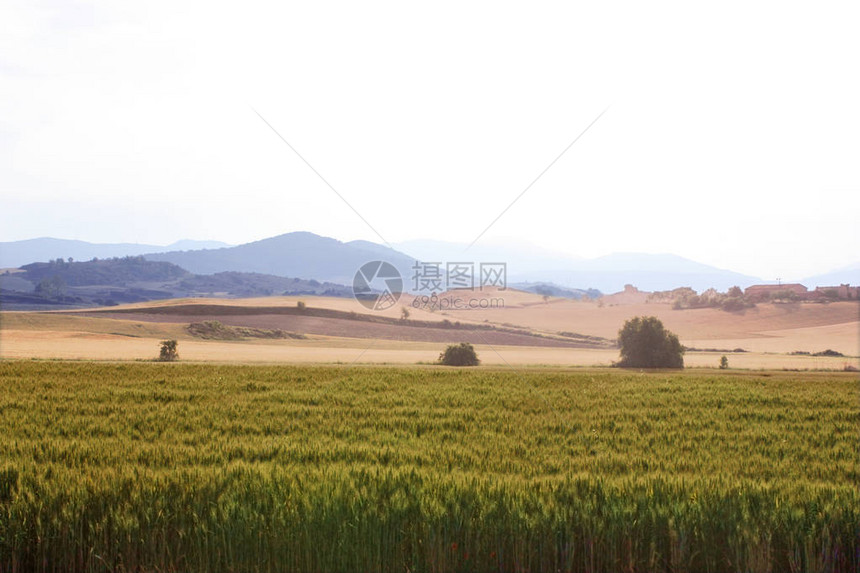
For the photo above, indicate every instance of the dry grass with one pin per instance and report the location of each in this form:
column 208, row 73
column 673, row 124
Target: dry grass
column 776, row 327
column 766, row 328
column 333, row 303
column 75, row 345
column 769, row 331
column 54, row 321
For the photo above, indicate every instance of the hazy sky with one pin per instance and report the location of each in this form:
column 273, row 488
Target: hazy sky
column 732, row 135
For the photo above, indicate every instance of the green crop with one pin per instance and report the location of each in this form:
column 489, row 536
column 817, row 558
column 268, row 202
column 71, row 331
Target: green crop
column 182, row 467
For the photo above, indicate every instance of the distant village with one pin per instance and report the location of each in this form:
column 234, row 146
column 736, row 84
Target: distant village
column 736, row 299
column 759, row 293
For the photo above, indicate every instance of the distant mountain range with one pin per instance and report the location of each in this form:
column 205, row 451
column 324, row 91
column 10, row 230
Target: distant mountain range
column 299, row 254
column 524, row 261
column 649, row 272
column 14, row 254
column 313, row 257
column 529, row 263
column 845, row 275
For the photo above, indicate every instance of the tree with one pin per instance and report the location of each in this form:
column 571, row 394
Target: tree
column 784, row 294
column 168, row 351
column 462, row 354
column 736, row 292
column 53, row 287
column 645, row 343
column 733, row 304
column 724, row 362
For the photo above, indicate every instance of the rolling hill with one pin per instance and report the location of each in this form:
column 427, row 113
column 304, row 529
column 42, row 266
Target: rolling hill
column 298, row 254
column 112, row 281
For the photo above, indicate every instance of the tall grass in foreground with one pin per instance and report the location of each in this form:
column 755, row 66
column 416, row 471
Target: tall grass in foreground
column 151, row 467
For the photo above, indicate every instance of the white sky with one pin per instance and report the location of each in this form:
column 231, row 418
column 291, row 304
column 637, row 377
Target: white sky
column 733, row 135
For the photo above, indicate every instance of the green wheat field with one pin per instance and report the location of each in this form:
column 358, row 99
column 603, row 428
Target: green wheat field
column 193, row 467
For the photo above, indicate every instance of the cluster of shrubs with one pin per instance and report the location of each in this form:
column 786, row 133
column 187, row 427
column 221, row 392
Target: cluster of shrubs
column 215, row 330
column 782, row 295
column 682, row 298
column 462, row 354
column 827, row 352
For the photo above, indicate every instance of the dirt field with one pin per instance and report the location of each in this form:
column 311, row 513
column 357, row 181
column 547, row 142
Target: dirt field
column 95, row 346
column 769, row 332
column 768, row 327
column 339, row 327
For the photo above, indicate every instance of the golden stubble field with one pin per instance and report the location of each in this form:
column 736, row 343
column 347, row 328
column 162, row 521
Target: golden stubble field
column 778, row 328
column 769, row 333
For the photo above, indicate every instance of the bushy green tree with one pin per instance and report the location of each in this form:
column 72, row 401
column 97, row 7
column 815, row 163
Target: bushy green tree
column 645, row 343
column 462, row 354
column 168, row 351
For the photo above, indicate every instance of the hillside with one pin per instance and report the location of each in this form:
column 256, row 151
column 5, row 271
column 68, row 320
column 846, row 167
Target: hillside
column 551, row 289
column 113, row 272
column 106, row 282
column 258, row 284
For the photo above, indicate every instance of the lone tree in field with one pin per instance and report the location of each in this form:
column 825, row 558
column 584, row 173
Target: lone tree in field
column 646, row 344
column 462, row 354
column 168, row 351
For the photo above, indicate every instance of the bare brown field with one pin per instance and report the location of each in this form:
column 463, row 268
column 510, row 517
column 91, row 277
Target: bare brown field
column 79, row 322
column 332, row 303
column 768, row 332
column 67, row 345
column 342, row 327
column 767, row 327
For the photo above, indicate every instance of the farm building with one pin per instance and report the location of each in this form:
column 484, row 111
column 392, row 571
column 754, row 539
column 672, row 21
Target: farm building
column 761, row 292
column 842, row 291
